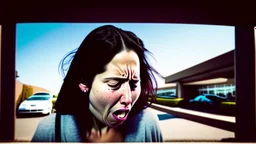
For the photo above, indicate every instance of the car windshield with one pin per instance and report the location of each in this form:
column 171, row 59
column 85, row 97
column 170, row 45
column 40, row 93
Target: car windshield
column 38, row 98
column 198, row 98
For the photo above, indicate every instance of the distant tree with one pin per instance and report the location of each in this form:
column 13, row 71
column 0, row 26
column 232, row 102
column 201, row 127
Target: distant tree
column 17, row 74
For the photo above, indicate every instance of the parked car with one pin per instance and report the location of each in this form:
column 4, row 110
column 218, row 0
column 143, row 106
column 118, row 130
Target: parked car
column 208, row 98
column 38, row 103
column 206, row 103
column 43, row 94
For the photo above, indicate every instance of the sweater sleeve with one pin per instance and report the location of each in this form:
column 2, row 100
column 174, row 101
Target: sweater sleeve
column 45, row 131
column 152, row 128
column 143, row 127
column 69, row 131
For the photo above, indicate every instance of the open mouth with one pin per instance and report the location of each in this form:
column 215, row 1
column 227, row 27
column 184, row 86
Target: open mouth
column 120, row 114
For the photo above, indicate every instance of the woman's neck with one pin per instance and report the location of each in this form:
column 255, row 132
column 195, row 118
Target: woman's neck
column 103, row 133
column 97, row 125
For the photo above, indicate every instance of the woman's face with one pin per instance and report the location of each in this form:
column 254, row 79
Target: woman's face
column 114, row 92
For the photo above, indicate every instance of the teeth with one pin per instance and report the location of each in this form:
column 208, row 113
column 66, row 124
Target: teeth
column 121, row 115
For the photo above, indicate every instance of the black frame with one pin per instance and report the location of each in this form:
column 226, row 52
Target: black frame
column 243, row 20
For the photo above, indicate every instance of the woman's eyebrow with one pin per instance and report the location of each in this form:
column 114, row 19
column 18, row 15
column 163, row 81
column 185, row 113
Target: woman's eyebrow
column 120, row 79
column 116, row 78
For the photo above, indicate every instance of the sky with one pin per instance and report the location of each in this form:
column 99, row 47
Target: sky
column 175, row 47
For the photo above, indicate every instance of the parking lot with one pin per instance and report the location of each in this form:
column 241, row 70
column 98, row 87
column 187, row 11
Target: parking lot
column 25, row 127
column 172, row 127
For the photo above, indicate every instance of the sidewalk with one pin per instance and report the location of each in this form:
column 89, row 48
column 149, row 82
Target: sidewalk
column 175, row 129
column 231, row 119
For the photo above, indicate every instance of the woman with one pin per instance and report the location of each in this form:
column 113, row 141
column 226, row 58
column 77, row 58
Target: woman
column 105, row 92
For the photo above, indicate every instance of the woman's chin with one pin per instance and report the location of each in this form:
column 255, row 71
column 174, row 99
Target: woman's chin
column 113, row 121
column 113, row 124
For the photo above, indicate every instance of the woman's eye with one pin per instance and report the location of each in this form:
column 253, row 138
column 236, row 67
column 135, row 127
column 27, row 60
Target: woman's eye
column 133, row 85
column 115, row 85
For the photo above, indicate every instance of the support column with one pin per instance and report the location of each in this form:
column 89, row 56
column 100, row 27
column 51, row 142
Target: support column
column 7, row 82
column 245, row 84
column 186, row 91
column 180, row 90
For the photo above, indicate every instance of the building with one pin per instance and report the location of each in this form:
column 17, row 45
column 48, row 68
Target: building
column 214, row 76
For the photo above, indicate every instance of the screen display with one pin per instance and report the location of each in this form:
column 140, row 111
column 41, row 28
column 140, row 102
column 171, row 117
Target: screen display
column 175, row 48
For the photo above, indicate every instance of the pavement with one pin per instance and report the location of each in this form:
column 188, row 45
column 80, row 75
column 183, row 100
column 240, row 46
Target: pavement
column 175, row 129
column 25, row 128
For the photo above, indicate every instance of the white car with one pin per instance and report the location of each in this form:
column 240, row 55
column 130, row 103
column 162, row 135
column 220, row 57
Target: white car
column 38, row 103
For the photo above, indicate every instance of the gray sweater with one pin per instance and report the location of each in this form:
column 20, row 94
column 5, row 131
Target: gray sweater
column 142, row 127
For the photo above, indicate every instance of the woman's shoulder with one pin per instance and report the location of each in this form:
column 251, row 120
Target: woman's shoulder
column 50, row 119
column 147, row 112
column 145, row 119
column 146, row 115
column 46, row 128
column 143, row 127
column 47, row 122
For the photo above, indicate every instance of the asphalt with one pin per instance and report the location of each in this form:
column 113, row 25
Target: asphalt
column 175, row 129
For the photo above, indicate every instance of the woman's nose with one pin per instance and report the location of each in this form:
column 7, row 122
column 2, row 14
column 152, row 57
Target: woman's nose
column 126, row 98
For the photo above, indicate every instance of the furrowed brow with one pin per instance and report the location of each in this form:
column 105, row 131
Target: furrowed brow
column 116, row 78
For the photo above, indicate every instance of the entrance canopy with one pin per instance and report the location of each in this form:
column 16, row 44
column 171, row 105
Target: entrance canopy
column 219, row 67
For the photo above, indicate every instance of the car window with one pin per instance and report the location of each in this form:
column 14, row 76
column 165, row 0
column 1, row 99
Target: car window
column 38, row 98
column 42, row 94
column 214, row 98
column 209, row 95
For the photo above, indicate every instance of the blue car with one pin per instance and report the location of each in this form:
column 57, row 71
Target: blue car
column 208, row 98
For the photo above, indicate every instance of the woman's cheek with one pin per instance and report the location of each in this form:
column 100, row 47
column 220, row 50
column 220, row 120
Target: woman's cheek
column 107, row 96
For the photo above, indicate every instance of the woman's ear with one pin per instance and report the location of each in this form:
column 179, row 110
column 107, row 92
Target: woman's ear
column 83, row 87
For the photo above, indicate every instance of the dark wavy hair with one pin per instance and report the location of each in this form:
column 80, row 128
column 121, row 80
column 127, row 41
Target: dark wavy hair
column 90, row 59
